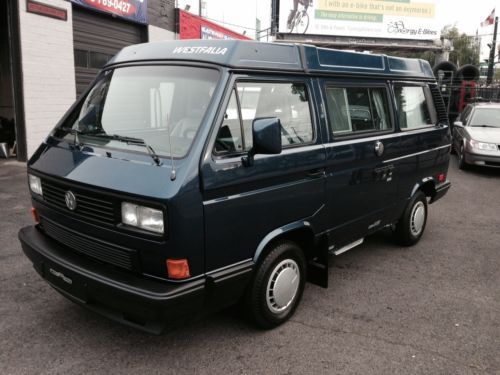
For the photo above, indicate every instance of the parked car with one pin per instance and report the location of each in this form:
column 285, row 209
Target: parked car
column 476, row 136
column 195, row 174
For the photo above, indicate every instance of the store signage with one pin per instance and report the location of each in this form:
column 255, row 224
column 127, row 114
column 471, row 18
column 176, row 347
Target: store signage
column 46, row 10
column 190, row 26
column 132, row 10
column 395, row 19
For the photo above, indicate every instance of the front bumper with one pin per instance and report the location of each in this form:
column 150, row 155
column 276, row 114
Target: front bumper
column 131, row 299
column 485, row 160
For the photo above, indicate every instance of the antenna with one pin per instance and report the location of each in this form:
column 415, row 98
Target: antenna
column 172, row 172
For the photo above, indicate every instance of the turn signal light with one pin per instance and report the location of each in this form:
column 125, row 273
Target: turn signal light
column 441, row 177
column 178, row 268
column 34, row 215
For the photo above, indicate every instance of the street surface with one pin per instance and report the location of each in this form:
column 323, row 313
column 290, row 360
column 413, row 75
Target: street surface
column 430, row 309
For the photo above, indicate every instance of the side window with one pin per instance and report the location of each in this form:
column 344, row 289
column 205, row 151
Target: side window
column 229, row 139
column 287, row 101
column 357, row 109
column 415, row 107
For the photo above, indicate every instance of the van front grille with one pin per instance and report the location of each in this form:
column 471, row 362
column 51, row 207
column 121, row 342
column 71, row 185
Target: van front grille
column 100, row 250
column 90, row 206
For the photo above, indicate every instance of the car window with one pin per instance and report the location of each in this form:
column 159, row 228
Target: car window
column 415, row 107
column 357, row 109
column 287, row 101
column 229, row 138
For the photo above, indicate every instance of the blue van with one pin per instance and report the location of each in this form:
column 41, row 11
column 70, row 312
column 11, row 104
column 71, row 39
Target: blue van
column 195, row 174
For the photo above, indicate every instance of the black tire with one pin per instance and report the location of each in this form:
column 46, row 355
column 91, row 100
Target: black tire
column 462, row 164
column 410, row 227
column 263, row 312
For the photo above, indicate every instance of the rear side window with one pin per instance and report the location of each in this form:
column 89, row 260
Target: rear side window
column 250, row 100
column 357, row 109
column 415, row 107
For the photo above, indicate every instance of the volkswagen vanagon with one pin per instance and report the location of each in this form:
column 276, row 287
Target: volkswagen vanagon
column 195, row 174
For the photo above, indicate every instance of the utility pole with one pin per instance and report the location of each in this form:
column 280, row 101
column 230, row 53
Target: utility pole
column 491, row 62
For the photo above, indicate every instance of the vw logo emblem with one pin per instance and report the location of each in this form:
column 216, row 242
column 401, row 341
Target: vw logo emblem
column 70, row 200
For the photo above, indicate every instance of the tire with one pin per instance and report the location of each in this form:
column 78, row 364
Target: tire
column 281, row 267
column 411, row 226
column 462, row 164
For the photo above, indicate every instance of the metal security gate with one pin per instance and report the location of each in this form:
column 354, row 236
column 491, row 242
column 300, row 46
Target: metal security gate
column 96, row 39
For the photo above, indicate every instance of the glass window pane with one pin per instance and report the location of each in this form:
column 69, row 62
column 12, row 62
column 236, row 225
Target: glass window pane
column 97, row 59
column 229, row 139
column 287, row 101
column 356, row 109
column 413, row 108
column 81, row 58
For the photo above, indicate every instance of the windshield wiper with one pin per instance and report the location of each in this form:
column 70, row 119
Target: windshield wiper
column 484, row 126
column 135, row 142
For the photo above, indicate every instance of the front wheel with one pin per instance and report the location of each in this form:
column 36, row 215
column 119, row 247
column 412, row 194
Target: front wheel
column 462, row 164
column 411, row 226
column 277, row 286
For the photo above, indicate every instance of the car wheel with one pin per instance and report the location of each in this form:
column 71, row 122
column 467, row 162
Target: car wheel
column 462, row 164
column 277, row 285
column 411, row 226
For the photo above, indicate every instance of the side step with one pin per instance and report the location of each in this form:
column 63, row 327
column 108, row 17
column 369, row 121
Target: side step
column 346, row 247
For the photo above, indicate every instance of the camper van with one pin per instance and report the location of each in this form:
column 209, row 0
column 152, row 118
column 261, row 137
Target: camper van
column 196, row 174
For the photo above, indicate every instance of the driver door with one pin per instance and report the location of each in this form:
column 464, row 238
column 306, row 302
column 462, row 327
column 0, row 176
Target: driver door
column 242, row 204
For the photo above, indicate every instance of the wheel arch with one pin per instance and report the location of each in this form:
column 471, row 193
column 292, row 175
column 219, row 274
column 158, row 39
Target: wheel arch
column 427, row 185
column 300, row 232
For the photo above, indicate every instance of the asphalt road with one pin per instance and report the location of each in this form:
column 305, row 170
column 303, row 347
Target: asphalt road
column 430, row 309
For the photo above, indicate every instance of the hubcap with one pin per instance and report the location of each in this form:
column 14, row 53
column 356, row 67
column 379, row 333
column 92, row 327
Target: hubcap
column 283, row 285
column 417, row 218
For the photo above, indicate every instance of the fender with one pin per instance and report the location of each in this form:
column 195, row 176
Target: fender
column 428, row 186
column 278, row 232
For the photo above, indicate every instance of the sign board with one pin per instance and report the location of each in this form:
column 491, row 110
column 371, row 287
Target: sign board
column 46, row 10
column 132, row 10
column 396, row 19
column 190, row 26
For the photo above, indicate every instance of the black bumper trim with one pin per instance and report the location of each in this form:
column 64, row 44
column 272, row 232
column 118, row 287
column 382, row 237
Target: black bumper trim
column 122, row 296
column 441, row 190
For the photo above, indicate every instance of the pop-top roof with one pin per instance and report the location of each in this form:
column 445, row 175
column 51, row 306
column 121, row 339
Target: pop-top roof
column 274, row 56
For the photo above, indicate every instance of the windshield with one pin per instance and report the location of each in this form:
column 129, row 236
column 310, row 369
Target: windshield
column 146, row 103
column 486, row 116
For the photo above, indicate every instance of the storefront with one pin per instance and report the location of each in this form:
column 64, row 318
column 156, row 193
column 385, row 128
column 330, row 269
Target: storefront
column 53, row 49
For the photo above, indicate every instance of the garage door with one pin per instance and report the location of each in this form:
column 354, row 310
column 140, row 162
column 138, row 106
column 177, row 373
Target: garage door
column 96, row 39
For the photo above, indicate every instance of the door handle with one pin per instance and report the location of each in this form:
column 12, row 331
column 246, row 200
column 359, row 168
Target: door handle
column 379, row 148
column 316, row 173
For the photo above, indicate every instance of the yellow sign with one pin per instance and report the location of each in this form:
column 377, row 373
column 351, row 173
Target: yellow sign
column 388, row 8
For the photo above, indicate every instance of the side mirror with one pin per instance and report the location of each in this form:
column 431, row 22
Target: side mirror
column 266, row 133
column 458, row 124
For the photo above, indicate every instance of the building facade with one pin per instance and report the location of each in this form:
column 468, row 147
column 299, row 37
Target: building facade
column 52, row 49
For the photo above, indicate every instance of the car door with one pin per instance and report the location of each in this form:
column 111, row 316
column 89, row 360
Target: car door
column 243, row 204
column 360, row 186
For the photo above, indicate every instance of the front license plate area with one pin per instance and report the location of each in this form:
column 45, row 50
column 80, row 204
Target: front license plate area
column 66, row 282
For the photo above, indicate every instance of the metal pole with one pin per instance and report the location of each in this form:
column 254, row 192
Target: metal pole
column 491, row 62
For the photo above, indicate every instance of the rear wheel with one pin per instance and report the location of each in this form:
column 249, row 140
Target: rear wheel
column 411, row 226
column 277, row 285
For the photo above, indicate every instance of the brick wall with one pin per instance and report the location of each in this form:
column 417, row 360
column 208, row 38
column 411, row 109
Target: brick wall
column 48, row 70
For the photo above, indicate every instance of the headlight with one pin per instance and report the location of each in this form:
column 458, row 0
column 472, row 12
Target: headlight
column 142, row 217
column 35, row 184
column 483, row 146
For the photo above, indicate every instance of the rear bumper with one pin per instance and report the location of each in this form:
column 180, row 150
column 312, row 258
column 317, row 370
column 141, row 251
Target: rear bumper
column 441, row 190
column 137, row 301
